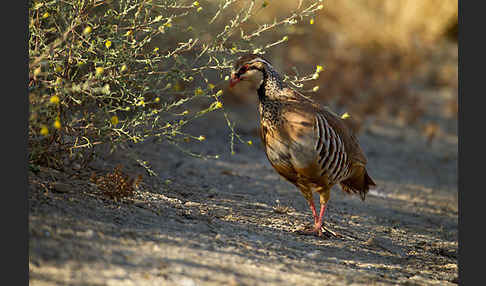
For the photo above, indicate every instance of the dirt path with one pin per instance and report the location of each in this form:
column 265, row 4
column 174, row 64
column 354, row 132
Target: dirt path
column 232, row 221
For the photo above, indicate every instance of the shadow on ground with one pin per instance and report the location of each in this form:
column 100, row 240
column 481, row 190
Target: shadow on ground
column 234, row 221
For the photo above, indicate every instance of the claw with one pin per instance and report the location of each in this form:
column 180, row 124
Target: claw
column 319, row 231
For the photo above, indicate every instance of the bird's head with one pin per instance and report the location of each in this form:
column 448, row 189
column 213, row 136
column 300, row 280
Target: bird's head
column 251, row 69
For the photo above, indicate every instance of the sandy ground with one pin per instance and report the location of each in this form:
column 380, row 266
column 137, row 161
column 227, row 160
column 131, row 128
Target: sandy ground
column 234, row 221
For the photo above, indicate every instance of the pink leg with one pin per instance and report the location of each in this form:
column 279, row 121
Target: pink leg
column 313, row 209
column 318, row 227
column 316, row 230
column 318, row 220
column 321, row 215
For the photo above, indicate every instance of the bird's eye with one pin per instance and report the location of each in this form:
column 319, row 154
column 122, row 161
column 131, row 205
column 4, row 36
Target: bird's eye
column 243, row 69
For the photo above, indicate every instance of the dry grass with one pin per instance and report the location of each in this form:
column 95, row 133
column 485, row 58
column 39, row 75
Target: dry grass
column 399, row 24
column 378, row 56
column 116, row 185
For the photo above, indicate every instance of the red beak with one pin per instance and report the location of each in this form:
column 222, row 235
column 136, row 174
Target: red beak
column 234, row 80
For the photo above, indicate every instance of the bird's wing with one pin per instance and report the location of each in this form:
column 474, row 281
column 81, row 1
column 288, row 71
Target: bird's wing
column 318, row 139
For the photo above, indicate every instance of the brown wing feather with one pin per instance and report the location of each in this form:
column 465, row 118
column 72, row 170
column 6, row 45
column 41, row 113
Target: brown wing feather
column 309, row 107
column 303, row 116
column 299, row 129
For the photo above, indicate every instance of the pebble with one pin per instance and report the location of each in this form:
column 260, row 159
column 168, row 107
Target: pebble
column 386, row 244
column 314, row 254
column 187, row 282
column 61, row 187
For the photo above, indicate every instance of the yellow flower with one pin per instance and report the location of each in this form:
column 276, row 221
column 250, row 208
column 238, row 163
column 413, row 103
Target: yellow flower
column 141, row 103
column 311, row 21
column 249, row 142
column 195, row 3
column 37, row 71
column 211, row 86
column 201, row 138
column 185, row 112
column 99, row 71
column 316, row 88
column 315, row 76
column 345, row 115
column 319, row 68
column 108, row 44
column 54, row 99
column 87, row 30
column 157, row 99
column 156, row 49
column 57, row 124
column 114, row 120
column 219, row 93
column 218, row 105
column 128, row 33
column 123, row 68
column 106, row 89
column 285, row 38
column 44, row 131
column 320, row 7
column 46, row 15
column 199, row 9
column 199, row 91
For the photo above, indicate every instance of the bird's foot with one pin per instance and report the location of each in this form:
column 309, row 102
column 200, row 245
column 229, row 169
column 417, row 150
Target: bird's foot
column 310, row 231
column 318, row 230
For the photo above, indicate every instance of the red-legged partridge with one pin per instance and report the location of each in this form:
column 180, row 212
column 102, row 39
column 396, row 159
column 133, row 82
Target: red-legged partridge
column 305, row 142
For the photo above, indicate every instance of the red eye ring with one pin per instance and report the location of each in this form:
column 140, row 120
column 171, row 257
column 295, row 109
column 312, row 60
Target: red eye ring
column 243, row 69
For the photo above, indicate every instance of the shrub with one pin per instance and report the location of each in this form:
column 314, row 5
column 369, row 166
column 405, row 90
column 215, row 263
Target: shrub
column 111, row 72
column 116, row 185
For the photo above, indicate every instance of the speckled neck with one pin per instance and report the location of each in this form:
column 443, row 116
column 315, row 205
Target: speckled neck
column 271, row 85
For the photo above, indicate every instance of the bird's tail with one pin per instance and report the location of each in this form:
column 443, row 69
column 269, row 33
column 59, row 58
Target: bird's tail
column 358, row 183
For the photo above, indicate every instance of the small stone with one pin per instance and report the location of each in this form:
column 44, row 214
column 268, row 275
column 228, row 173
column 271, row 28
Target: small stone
column 89, row 233
column 386, row 244
column 61, row 187
column 314, row 254
column 191, row 204
column 187, row 282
